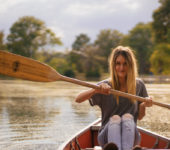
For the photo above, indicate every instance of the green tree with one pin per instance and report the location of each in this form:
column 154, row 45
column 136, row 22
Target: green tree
column 91, row 62
column 75, row 59
column 106, row 40
column 140, row 40
column 58, row 61
column 87, row 61
column 161, row 22
column 160, row 59
column 28, row 35
column 62, row 66
column 81, row 41
column 2, row 44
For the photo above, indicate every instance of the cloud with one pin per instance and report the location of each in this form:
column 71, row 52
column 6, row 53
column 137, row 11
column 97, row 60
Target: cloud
column 84, row 9
column 7, row 4
column 58, row 32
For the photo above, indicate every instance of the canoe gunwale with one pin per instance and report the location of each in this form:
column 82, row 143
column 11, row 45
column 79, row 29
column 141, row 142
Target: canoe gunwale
column 94, row 127
column 75, row 136
column 159, row 137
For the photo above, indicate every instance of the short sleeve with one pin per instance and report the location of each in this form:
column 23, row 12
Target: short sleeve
column 96, row 100
column 143, row 92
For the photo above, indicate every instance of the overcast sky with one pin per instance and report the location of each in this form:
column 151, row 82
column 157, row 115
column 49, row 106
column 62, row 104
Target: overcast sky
column 69, row 18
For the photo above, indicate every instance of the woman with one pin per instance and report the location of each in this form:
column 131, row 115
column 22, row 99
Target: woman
column 119, row 114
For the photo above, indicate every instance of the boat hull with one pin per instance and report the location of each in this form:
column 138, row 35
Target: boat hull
column 87, row 139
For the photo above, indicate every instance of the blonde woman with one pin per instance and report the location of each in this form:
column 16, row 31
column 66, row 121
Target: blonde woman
column 119, row 114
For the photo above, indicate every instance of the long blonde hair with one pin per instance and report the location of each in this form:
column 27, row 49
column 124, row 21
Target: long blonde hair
column 128, row 54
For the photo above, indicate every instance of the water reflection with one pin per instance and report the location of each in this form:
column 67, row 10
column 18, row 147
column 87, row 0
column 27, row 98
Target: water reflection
column 26, row 119
column 42, row 116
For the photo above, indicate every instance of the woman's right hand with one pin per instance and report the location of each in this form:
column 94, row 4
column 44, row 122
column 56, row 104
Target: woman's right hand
column 104, row 89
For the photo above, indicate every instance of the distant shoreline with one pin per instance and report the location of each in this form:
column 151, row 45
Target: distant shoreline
column 151, row 79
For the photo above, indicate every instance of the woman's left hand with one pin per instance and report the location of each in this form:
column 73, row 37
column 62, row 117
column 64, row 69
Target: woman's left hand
column 142, row 107
column 148, row 102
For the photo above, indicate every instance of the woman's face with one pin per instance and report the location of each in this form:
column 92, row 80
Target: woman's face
column 121, row 67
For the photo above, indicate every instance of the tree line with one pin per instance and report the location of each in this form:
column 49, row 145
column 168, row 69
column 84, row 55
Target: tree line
column 150, row 41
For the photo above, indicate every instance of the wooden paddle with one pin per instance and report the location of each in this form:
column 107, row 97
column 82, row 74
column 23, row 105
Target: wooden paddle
column 26, row 68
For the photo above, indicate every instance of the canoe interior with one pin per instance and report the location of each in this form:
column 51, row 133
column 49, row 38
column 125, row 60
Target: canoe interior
column 87, row 138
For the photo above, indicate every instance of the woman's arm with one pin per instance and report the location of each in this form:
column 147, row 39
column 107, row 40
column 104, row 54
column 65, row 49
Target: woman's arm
column 85, row 95
column 104, row 89
column 142, row 107
column 141, row 111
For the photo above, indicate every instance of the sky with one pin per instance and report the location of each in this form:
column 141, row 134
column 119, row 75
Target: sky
column 69, row 18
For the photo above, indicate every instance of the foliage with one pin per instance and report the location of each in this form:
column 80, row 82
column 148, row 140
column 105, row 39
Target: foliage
column 140, row 39
column 58, row 64
column 61, row 65
column 92, row 67
column 2, row 44
column 95, row 73
column 108, row 39
column 76, row 59
column 160, row 59
column 161, row 23
column 58, row 61
column 77, row 54
column 69, row 73
column 86, row 61
column 28, row 35
column 81, row 41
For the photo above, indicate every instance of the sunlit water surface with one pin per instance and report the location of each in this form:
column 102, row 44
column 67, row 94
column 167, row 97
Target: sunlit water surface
column 43, row 115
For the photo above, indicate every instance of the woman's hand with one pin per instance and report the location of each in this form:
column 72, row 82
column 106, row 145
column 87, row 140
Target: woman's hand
column 142, row 107
column 104, row 89
column 148, row 102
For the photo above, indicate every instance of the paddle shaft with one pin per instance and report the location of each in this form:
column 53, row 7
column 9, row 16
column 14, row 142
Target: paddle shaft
column 26, row 68
column 112, row 91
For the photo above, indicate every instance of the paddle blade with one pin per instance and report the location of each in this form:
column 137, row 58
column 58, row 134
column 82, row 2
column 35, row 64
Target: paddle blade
column 26, row 68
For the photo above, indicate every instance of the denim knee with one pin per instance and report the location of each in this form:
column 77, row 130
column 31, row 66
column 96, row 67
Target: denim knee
column 115, row 119
column 128, row 130
column 127, row 116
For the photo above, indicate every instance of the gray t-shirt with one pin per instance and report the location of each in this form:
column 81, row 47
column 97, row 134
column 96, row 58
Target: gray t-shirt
column 109, row 106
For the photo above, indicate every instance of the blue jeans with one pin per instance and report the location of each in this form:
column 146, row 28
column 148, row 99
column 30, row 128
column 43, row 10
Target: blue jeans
column 120, row 130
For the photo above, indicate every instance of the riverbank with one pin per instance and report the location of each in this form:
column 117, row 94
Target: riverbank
column 152, row 79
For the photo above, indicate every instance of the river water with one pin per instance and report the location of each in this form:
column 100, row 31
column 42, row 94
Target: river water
column 43, row 115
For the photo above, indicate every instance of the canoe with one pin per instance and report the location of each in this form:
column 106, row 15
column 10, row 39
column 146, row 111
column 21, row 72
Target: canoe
column 86, row 139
